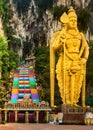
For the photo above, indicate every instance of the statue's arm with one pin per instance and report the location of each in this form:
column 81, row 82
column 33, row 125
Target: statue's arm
column 57, row 44
column 86, row 48
column 86, row 52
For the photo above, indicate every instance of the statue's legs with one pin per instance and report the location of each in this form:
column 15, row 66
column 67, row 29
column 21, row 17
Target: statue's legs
column 67, row 88
column 72, row 87
column 69, row 82
column 77, row 88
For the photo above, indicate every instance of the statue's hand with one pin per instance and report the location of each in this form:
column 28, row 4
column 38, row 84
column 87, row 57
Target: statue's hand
column 62, row 38
column 83, row 60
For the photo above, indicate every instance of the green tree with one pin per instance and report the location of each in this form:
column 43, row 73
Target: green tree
column 89, row 65
column 6, row 14
column 13, row 60
column 3, row 54
column 1, row 9
column 42, row 70
column 8, row 62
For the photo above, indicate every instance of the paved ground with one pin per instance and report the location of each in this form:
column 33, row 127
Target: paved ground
column 25, row 126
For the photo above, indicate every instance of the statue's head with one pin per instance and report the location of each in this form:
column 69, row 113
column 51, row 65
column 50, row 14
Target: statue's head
column 70, row 19
column 72, row 16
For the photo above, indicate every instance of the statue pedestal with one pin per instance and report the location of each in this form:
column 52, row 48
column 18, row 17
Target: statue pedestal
column 73, row 114
column 73, row 118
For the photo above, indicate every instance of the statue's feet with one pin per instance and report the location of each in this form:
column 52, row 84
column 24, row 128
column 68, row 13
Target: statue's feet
column 87, row 106
column 53, row 106
column 76, row 105
column 68, row 102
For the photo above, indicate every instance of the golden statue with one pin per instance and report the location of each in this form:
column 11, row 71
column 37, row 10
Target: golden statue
column 71, row 66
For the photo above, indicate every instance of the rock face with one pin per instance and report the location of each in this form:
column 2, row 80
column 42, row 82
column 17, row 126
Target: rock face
column 37, row 31
column 1, row 28
column 78, row 3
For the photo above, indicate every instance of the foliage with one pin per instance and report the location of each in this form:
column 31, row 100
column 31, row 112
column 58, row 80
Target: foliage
column 42, row 70
column 13, row 60
column 13, row 41
column 43, row 74
column 1, row 9
column 58, row 11
column 10, row 32
column 90, row 64
column 83, row 19
column 1, row 98
column 8, row 61
column 4, row 62
column 89, row 101
column 6, row 13
column 3, row 52
column 42, row 56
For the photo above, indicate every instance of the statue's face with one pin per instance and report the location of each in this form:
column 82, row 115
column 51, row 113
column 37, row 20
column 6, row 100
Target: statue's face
column 72, row 22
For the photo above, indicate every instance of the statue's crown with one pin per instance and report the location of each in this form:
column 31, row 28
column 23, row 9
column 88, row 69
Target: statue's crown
column 71, row 12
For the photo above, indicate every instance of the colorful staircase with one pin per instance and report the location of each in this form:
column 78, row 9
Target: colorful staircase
column 24, row 84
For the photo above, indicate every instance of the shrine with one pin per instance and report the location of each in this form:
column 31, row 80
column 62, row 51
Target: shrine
column 25, row 105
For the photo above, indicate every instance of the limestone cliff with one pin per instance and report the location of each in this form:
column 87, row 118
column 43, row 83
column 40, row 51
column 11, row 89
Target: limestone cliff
column 28, row 25
column 1, row 28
